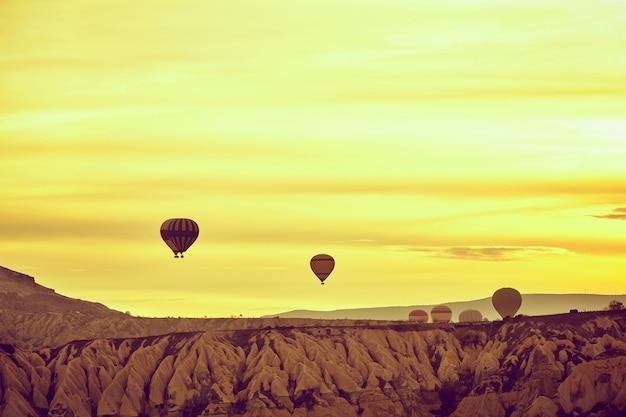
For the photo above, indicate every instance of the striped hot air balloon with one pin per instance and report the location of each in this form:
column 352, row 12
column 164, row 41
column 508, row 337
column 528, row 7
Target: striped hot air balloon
column 441, row 314
column 179, row 234
column 322, row 265
column 470, row 316
column 419, row 316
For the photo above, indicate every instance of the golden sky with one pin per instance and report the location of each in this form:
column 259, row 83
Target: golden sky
column 439, row 150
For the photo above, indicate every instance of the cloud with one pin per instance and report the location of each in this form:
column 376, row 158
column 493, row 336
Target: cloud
column 354, row 241
column 617, row 214
column 482, row 253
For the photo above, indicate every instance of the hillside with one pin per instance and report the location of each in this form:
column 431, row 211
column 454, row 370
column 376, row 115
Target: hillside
column 533, row 305
column 33, row 316
column 71, row 358
column 20, row 293
column 574, row 365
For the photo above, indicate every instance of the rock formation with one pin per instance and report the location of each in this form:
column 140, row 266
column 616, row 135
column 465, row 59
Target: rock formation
column 33, row 316
column 70, row 358
column 569, row 365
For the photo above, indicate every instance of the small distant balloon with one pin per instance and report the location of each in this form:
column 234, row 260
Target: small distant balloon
column 506, row 301
column 470, row 316
column 322, row 265
column 179, row 234
column 441, row 314
column 419, row 316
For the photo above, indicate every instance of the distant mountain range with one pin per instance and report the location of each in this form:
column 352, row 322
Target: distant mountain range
column 532, row 305
column 20, row 293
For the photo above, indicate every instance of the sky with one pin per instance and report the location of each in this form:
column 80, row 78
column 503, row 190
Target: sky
column 437, row 149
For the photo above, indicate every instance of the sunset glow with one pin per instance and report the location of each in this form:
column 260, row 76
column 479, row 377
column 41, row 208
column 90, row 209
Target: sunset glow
column 438, row 150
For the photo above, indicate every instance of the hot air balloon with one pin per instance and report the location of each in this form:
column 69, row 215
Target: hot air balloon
column 470, row 316
column 506, row 301
column 419, row 316
column 441, row 314
column 322, row 265
column 179, row 234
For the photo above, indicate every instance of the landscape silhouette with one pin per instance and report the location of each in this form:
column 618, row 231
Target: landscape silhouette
column 62, row 356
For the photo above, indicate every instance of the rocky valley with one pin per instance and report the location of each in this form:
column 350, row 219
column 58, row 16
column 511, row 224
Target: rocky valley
column 546, row 366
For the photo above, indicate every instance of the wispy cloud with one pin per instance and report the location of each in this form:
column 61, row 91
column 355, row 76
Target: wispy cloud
column 482, row 253
column 617, row 214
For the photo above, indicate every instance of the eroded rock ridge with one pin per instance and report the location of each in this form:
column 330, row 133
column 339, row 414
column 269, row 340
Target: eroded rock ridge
column 553, row 366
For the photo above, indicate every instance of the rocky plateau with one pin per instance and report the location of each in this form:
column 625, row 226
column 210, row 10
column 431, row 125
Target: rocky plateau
column 546, row 366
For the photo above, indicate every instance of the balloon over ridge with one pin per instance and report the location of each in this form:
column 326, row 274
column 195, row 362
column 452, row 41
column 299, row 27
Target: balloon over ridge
column 322, row 265
column 441, row 314
column 506, row 301
column 419, row 316
column 470, row 316
column 179, row 234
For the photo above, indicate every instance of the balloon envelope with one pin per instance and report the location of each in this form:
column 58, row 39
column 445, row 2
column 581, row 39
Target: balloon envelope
column 322, row 265
column 166, row 237
column 179, row 234
column 470, row 316
column 419, row 316
column 441, row 314
column 506, row 301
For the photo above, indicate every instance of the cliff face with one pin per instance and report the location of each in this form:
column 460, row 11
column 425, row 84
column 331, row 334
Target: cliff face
column 570, row 365
column 19, row 293
column 33, row 316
